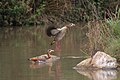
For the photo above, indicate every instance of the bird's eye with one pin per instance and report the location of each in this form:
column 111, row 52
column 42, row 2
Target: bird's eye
column 72, row 24
column 49, row 50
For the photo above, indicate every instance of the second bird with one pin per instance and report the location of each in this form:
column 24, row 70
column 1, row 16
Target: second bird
column 58, row 33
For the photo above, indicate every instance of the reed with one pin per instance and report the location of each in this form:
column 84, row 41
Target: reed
column 105, row 35
column 97, row 35
column 113, row 43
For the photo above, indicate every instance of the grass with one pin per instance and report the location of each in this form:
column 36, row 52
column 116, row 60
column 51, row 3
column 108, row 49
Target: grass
column 104, row 36
column 113, row 47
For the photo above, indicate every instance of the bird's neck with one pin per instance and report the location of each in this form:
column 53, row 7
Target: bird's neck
column 64, row 28
column 48, row 55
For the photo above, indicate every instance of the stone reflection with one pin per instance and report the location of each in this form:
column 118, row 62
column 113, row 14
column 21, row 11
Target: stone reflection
column 99, row 74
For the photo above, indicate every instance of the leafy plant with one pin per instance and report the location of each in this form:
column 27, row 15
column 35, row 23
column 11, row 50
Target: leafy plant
column 18, row 12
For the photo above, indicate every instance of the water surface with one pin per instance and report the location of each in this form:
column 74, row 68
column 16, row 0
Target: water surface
column 17, row 45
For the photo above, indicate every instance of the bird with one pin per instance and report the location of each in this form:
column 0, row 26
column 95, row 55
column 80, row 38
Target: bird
column 43, row 57
column 58, row 33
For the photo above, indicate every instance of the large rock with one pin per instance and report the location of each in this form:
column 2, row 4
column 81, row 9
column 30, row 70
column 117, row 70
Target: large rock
column 99, row 60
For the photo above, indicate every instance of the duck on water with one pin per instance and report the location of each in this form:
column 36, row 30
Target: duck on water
column 45, row 57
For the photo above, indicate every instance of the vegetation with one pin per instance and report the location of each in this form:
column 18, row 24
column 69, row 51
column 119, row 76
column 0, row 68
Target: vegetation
column 39, row 12
column 113, row 42
column 105, row 35
column 20, row 12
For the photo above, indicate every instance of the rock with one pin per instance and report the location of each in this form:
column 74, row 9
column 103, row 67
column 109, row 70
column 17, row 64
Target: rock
column 99, row 60
column 85, row 63
column 103, row 60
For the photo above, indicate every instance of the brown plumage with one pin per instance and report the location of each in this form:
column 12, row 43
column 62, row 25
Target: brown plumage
column 43, row 57
column 58, row 33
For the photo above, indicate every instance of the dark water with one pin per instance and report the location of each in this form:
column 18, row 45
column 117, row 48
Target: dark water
column 17, row 45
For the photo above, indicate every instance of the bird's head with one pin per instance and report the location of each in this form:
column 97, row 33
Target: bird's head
column 50, row 51
column 70, row 25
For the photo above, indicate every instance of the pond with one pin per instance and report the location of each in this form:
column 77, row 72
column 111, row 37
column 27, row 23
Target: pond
column 17, row 45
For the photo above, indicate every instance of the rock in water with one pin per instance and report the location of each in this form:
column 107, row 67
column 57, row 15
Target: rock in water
column 99, row 60
column 103, row 60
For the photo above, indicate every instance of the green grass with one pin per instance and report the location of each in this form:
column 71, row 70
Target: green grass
column 113, row 46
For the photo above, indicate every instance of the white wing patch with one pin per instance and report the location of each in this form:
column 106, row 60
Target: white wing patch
column 55, row 31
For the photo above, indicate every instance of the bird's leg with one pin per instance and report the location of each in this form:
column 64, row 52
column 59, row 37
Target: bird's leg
column 52, row 42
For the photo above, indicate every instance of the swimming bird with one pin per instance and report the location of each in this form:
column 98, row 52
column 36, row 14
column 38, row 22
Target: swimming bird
column 43, row 57
column 58, row 33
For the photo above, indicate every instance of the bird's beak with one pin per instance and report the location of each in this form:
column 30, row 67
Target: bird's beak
column 72, row 24
column 52, row 51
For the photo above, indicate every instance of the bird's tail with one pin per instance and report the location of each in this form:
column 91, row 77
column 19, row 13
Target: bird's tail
column 33, row 59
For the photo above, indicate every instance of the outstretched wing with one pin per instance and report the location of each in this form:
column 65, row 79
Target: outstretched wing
column 52, row 31
column 55, row 31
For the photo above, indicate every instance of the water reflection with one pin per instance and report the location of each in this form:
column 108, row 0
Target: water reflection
column 40, row 65
column 99, row 74
column 54, row 71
